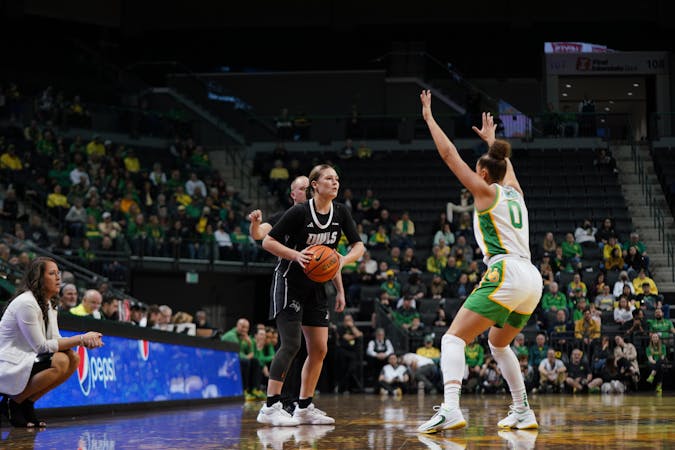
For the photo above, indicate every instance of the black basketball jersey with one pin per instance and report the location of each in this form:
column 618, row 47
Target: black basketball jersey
column 301, row 226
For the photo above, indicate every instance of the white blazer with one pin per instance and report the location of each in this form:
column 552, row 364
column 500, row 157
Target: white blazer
column 23, row 336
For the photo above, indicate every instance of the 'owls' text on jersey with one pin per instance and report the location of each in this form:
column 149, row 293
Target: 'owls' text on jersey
column 302, row 226
column 503, row 227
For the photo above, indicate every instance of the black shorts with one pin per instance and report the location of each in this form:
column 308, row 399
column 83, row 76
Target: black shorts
column 43, row 361
column 303, row 302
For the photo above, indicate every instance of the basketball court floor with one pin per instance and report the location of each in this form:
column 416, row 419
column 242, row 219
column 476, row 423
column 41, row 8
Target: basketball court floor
column 635, row 421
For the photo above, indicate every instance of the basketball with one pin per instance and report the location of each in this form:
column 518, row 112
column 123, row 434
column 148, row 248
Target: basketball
column 324, row 264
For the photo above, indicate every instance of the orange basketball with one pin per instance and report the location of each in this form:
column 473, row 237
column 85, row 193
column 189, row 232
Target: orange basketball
column 324, row 264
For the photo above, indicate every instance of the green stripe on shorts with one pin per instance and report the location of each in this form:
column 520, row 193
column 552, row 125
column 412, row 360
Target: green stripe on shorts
column 480, row 301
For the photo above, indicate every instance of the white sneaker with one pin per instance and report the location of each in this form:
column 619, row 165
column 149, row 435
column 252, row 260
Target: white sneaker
column 520, row 439
column 520, row 419
column 275, row 437
column 311, row 416
column 276, row 415
column 444, row 419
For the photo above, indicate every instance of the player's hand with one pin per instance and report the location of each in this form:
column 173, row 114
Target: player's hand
column 487, row 131
column 340, row 302
column 303, row 257
column 255, row 216
column 425, row 98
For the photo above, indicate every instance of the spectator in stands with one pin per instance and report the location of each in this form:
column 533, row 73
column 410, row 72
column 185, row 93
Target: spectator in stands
column 414, row 287
column 138, row 237
column 538, row 351
column 579, row 375
column 79, row 176
column 406, row 229
column 552, row 373
column 10, row 207
column 643, row 278
column 438, row 288
column 604, row 301
column 548, row 244
column 561, row 330
column 546, row 271
column 623, row 280
column 450, row 273
column 393, row 260
column 634, row 261
column 90, row 305
column 68, row 297
column 429, row 350
column 491, row 380
column 251, row 372
column 586, row 330
column 379, row 239
column 529, row 374
column 64, row 247
column 349, row 351
column 199, row 161
column 263, row 351
column 131, row 162
column 394, row 377
column 474, row 355
column 612, row 378
column 463, row 287
column 659, row 324
column 559, row 263
column 572, row 251
column 518, row 346
column 625, row 358
column 656, row 359
column 465, row 205
column 605, row 232
column 378, row 351
column 37, row 233
column 598, row 285
column 435, row 261
column 404, row 315
column 157, row 176
column 416, row 332
column 446, row 234
column 409, row 262
column 167, row 314
column 139, row 314
column 641, row 247
column 569, row 126
column 623, row 312
column 424, row 372
column 646, row 300
column 585, row 234
column 110, row 307
column 11, row 165
column 76, row 219
column 613, row 255
column 108, row 227
column 575, row 284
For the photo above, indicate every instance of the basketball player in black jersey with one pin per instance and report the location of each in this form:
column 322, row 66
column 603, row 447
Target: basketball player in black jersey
column 299, row 304
column 258, row 229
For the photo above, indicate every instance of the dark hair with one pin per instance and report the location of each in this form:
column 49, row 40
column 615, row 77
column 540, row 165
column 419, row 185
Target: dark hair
column 494, row 160
column 32, row 282
column 314, row 175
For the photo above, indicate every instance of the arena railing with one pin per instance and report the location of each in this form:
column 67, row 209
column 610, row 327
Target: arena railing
column 668, row 247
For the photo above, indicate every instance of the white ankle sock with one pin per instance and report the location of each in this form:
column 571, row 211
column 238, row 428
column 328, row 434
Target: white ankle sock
column 510, row 367
column 452, row 367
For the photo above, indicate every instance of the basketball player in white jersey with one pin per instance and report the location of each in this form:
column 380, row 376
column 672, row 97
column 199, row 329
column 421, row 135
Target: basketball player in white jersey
column 511, row 287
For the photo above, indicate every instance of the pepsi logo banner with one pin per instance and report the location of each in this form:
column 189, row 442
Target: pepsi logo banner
column 131, row 371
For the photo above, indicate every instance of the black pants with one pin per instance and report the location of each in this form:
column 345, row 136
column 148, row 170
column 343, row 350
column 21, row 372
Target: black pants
column 251, row 373
column 347, row 371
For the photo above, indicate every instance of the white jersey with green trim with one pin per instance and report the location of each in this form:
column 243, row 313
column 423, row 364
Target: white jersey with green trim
column 503, row 228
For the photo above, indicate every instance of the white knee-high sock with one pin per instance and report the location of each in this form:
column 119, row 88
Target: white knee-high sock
column 452, row 367
column 510, row 367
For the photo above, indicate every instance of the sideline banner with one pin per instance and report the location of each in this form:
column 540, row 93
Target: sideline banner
column 128, row 370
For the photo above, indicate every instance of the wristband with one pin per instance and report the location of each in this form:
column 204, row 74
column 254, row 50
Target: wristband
column 81, row 341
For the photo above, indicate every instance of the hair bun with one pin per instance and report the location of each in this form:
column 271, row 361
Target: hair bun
column 500, row 150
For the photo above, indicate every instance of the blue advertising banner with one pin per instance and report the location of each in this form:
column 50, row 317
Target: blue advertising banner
column 133, row 371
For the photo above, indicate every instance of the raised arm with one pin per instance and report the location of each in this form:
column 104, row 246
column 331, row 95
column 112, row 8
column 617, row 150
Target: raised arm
column 446, row 149
column 258, row 229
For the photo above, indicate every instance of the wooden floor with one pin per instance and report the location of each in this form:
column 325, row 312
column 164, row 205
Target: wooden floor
column 635, row 421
